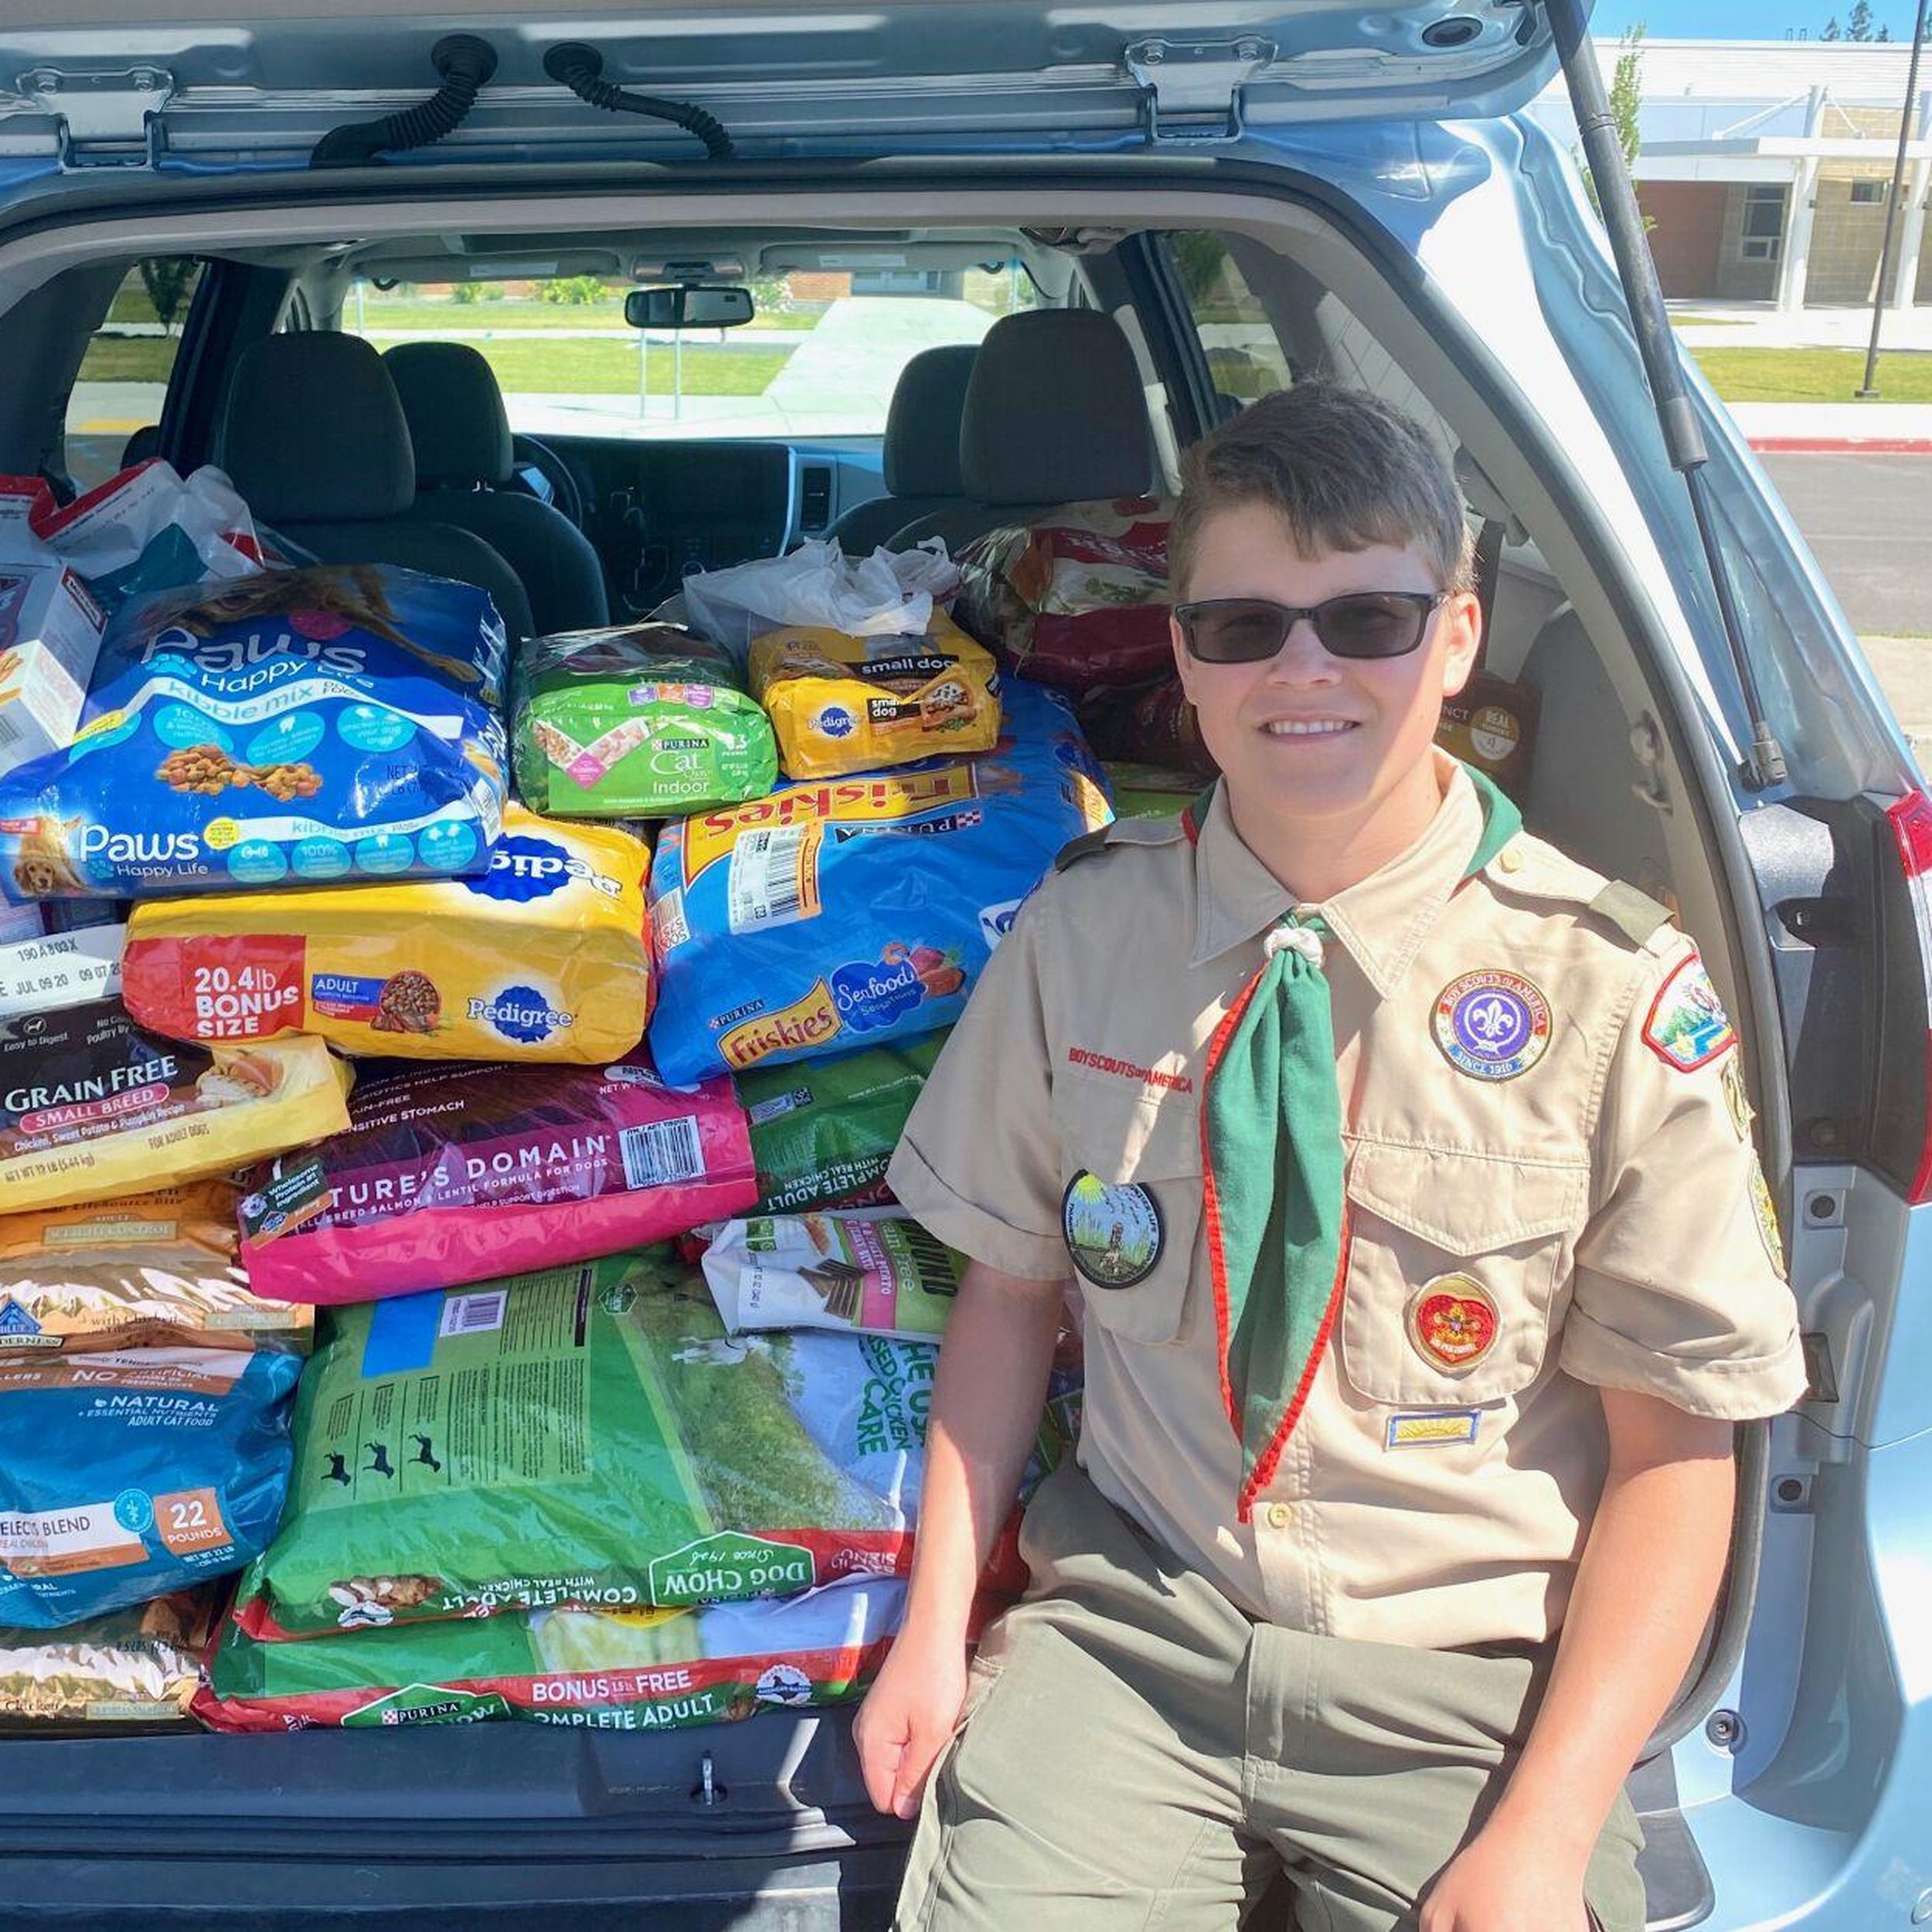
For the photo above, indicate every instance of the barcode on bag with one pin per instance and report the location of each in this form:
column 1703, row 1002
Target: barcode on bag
column 9, row 728
column 773, row 879
column 662, row 1153
column 475, row 1314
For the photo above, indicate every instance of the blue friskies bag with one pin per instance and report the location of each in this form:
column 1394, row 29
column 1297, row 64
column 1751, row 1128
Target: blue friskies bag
column 845, row 913
column 337, row 721
column 125, row 1476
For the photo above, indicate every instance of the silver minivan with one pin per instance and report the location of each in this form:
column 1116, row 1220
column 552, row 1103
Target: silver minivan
column 1252, row 191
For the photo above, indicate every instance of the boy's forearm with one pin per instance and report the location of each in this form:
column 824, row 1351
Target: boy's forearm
column 987, row 1397
column 1649, row 1575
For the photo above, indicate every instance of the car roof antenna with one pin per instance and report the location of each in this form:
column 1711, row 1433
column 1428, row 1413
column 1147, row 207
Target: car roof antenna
column 579, row 67
column 464, row 64
column 1663, row 365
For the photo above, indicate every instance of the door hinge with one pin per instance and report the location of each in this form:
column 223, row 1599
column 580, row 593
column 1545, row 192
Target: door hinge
column 103, row 119
column 1191, row 90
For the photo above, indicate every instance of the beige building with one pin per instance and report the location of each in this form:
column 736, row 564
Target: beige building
column 1767, row 165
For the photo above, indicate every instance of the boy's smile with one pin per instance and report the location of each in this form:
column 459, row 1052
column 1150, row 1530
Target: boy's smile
column 1327, row 759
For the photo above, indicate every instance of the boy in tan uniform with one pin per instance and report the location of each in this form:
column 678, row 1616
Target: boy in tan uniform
column 1403, row 1167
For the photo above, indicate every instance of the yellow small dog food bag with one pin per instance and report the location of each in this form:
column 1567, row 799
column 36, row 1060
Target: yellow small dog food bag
column 839, row 703
column 545, row 957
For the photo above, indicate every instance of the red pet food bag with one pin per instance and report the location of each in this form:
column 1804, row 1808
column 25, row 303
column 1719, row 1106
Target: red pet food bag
column 451, row 1174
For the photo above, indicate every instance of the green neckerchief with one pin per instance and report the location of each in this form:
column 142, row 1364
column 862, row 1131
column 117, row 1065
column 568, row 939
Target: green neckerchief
column 1271, row 1131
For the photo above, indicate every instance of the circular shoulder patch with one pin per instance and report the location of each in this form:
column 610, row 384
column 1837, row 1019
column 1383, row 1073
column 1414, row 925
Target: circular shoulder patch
column 1115, row 1234
column 1491, row 1026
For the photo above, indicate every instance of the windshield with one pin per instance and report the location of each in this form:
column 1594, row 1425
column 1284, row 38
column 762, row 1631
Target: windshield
column 820, row 356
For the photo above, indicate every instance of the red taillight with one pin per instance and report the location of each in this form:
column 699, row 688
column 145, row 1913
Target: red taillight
column 1911, row 818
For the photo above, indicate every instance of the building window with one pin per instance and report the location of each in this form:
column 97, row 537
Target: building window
column 1868, row 190
column 1763, row 235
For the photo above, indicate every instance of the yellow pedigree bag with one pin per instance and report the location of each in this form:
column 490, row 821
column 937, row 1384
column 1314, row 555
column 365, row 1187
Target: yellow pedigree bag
column 151, row 1271
column 542, row 958
column 94, row 1107
column 839, row 703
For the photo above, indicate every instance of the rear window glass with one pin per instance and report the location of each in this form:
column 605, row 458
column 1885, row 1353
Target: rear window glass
column 1243, row 355
column 124, row 374
column 820, row 356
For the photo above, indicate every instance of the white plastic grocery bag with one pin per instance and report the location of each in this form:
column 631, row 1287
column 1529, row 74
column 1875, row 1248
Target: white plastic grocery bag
column 888, row 593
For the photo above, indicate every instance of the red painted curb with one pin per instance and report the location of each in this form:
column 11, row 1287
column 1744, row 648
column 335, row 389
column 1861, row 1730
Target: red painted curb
column 1842, row 445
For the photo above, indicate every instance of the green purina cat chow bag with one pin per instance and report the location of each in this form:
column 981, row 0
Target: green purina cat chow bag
column 644, row 721
column 587, row 1436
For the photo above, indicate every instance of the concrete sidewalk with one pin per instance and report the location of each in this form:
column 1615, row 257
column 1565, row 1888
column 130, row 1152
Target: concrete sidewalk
column 1826, row 429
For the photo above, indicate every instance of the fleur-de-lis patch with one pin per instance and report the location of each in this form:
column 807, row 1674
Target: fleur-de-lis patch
column 1491, row 1026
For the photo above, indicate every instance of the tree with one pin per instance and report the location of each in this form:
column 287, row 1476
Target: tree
column 1858, row 22
column 1884, row 33
column 1832, row 30
column 167, row 279
column 1626, row 105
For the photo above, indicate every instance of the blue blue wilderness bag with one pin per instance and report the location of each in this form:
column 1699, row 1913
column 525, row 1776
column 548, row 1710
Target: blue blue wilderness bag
column 123, row 1477
column 337, row 721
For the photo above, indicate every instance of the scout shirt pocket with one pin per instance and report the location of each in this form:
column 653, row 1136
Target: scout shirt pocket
column 1455, row 1260
column 1130, row 1204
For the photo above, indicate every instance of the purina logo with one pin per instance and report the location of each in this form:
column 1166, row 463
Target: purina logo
column 523, row 869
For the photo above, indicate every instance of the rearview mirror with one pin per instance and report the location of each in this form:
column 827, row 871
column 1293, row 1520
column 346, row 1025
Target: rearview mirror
column 689, row 305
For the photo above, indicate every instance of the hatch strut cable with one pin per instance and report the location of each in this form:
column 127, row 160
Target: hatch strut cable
column 465, row 64
column 1663, row 368
column 578, row 67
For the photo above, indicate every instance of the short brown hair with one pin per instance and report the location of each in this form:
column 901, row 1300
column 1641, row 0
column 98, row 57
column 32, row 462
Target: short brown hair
column 1343, row 470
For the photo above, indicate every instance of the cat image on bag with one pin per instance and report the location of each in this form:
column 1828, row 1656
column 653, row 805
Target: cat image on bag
column 43, row 863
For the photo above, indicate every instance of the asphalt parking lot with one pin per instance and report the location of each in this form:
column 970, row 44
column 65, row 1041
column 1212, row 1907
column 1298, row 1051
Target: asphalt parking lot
column 1867, row 519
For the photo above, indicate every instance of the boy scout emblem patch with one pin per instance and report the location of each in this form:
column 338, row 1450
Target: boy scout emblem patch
column 1452, row 1322
column 1492, row 1025
column 1687, row 1028
column 1115, row 1234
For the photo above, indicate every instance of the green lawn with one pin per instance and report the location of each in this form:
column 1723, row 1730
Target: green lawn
column 610, row 368
column 538, row 368
column 436, row 316
column 128, row 359
column 1812, row 374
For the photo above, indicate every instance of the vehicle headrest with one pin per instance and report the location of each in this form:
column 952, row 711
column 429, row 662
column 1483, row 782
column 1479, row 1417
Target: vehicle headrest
column 454, row 409
column 922, row 427
column 1055, row 412
column 314, row 431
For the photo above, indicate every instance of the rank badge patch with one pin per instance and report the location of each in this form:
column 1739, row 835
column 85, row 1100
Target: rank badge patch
column 1452, row 1322
column 1736, row 1097
column 1115, row 1234
column 1688, row 1027
column 1492, row 1025
column 1431, row 1428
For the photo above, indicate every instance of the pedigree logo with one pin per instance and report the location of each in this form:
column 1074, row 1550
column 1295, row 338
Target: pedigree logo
column 710, row 837
column 804, row 1024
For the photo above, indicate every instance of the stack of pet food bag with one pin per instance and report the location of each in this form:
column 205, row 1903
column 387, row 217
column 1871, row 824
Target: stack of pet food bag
column 392, row 1332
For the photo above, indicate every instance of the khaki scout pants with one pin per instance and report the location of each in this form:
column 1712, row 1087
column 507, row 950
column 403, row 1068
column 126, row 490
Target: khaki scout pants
column 1135, row 1752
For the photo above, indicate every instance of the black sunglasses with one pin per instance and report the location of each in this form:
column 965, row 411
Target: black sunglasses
column 1365, row 624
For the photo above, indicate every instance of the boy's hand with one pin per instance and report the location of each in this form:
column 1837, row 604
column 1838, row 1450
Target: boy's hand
column 906, row 1718
column 1498, row 1883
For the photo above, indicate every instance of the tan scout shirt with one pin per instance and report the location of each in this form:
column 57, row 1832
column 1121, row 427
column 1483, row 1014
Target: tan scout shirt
column 1582, row 1207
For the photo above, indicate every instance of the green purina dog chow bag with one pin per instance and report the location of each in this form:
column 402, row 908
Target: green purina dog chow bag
column 822, row 1133
column 644, row 721
column 585, row 1435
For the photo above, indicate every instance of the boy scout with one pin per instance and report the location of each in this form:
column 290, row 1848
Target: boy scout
column 1403, row 1168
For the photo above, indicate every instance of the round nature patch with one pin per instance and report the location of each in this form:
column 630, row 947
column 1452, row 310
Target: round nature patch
column 1114, row 1233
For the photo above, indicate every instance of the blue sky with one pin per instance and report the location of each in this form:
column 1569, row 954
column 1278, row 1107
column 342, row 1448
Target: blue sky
column 1740, row 20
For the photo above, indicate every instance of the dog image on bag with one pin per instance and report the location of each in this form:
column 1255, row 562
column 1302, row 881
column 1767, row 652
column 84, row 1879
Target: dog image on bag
column 43, row 865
